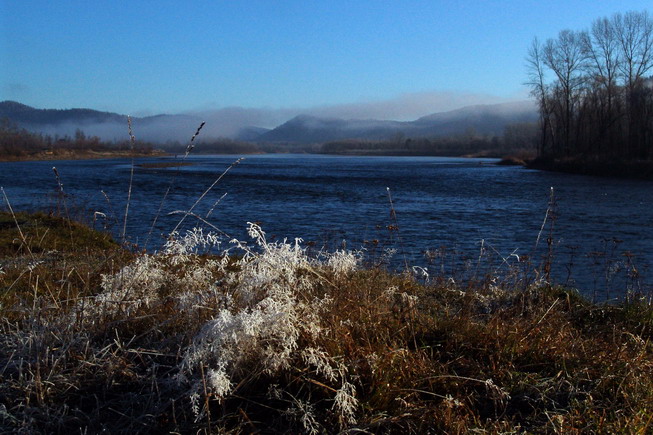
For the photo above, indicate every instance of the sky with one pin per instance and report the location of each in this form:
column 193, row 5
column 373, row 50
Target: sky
column 363, row 59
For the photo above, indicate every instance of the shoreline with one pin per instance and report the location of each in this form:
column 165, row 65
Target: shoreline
column 120, row 154
column 623, row 169
column 85, row 155
column 634, row 170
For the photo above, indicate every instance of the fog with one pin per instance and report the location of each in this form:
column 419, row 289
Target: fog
column 229, row 121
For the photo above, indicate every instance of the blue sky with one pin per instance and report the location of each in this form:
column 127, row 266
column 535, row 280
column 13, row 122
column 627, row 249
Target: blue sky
column 392, row 59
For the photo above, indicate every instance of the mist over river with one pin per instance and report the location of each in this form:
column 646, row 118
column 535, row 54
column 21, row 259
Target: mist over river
column 452, row 214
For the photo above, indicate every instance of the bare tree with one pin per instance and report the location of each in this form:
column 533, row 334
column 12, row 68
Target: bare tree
column 634, row 33
column 536, row 80
column 599, row 100
column 601, row 49
column 565, row 57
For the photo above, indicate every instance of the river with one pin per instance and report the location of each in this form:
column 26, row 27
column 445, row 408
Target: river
column 445, row 215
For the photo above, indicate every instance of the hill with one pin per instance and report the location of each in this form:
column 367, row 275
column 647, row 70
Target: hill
column 108, row 126
column 481, row 119
column 301, row 130
column 26, row 116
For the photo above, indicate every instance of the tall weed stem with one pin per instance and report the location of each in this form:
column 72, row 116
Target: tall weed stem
column 189, row 148
column 132, row 141
column 189, row 212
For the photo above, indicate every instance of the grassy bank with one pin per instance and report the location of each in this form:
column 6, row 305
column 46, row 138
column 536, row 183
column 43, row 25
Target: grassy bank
column 264, row 338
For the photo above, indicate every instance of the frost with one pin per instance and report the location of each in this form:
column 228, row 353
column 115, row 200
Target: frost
column 176, row 273
column 342, row 262
column 346, row 403
column 219, row 382
column 264, row 309
column 270, row 314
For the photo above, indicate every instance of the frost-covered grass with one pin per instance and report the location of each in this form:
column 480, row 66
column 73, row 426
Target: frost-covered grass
column 263, row 337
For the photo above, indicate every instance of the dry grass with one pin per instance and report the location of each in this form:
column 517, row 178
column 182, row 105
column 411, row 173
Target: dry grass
column 268, row 340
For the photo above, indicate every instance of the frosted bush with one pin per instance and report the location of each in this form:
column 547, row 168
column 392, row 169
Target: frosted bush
column 394, row 296
column 266, row 309
column 409, row 300
column 321, row 361
column 133, row 287
column 346, row 403
column 421, row 273
column 272, row 287
column 342, row 262
column 179, row 248
column 304, row 411
column 176, row 272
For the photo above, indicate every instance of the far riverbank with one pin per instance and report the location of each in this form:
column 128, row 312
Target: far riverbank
column 632, row 169
column 80, row 155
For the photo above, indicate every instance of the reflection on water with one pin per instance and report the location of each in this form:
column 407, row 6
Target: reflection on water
column 464, row 205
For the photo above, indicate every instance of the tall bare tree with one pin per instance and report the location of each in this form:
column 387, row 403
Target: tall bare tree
column 601, row 49
column 539, row 90
column 634, row 33
column 565, row 57
column 598, row 102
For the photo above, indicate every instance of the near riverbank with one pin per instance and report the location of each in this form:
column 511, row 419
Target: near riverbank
column 98, row 338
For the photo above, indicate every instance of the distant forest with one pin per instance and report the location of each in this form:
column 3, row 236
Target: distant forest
column 18, row 143
column 518, row 139
column 595, row 91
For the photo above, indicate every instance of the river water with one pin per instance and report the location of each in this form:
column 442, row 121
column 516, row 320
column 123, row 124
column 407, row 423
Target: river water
column 442, row 214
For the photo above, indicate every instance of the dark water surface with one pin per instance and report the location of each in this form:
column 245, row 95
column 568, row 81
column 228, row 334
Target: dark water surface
column 325, row 200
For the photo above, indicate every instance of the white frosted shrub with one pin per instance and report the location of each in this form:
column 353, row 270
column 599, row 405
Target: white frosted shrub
column 342, row 262
column 345, row 402
column 264, row 307
column 176, row 272
column 274, row 311
column 180, row 248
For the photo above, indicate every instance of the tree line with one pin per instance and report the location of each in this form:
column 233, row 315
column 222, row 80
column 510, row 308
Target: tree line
column 517, row 139
column 18, row 142
column 595, row 91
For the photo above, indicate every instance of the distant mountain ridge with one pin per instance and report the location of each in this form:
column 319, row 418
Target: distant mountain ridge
column 482, row 119
column 312, row 129
column 22, row 114
column 303, row 129
column 250, row 134
column 107, row 125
